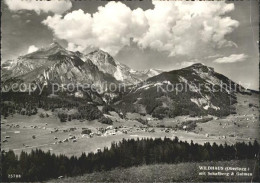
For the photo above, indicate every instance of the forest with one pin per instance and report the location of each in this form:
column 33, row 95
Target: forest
column 39, row 165
column 24, row 104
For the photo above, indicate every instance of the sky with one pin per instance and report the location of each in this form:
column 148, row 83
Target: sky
column 142, row 34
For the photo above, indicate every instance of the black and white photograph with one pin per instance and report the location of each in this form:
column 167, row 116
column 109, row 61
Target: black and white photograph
column 130, row 91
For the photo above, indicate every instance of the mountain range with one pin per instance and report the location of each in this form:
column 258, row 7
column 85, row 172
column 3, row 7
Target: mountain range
column 194, row 90
column 54, row 64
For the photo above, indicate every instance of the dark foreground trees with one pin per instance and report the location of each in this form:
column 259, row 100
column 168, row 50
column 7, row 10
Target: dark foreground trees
column 40, row 165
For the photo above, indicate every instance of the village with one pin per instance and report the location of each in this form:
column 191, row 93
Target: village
column 24, row 135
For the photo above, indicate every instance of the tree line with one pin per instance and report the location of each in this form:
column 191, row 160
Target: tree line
column 39, row 165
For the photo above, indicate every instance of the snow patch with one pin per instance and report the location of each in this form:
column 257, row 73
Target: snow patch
column 118, row 74
column 147, row 86
column 144, row 87
column 208, row 78
column 182, row 79
column 167, row 82
column 199, row 101
column 79, row 94
column 132, row 71
column 152, row 73
column 158, row 84
column 206, row 107
column 46, row 75
column 192, row 86
column 204, row 102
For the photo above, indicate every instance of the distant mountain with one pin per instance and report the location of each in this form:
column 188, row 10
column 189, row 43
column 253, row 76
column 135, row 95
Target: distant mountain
column 24, row 64
column 107, row 64
column 152, row 72
column 194, row 90
column 54, row 64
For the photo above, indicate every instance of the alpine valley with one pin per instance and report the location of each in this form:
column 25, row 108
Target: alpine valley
column 192, row 103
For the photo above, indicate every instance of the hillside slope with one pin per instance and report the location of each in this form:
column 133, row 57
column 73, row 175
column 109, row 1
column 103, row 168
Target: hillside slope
column 54, row 64
column 194, row 90
column 182, row 172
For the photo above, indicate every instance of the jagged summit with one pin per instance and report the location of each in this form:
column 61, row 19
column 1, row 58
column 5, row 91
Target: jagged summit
column 198, row 65
column 49, row 50
column 55, row 44
column 100, row 57
column 107, row 64
column 54, row 63
column 68, row 65
column 99, row 51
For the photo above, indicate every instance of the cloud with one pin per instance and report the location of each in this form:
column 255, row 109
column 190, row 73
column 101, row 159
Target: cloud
column 213, row 56
column 177, row 28
column 55, row 6
column 187, row 28
column 32, row 48
column 109, row 28
column 232, row 59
